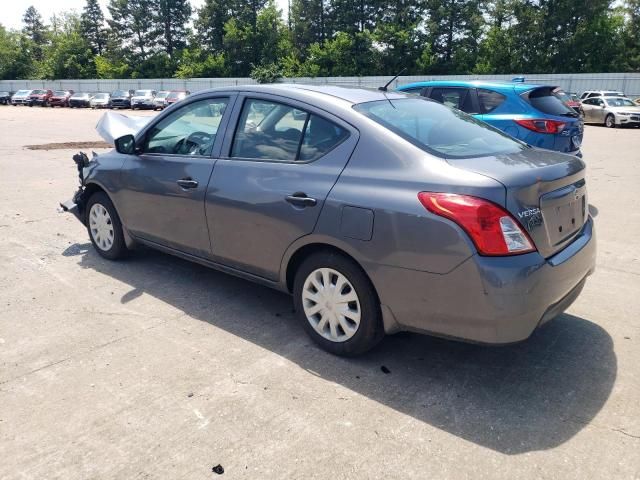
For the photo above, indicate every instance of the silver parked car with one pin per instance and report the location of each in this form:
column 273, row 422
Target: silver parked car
column 143, row 99
column 21, row 97
column 160, row 100
column 378, row 212
column 611, row 111
column 100, row 100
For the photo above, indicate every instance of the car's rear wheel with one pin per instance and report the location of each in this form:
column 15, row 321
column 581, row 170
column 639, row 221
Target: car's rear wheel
column 105, row 229
column 610, row 121
column 337, row 304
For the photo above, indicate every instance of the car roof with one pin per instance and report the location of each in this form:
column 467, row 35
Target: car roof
column 327, row 93
column 494, row 85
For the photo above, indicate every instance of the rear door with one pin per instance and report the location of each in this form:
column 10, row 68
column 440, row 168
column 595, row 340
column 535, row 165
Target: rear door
column 269, row 186
column 164, row 187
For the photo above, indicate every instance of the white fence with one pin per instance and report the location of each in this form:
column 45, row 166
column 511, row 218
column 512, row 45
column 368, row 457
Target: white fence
column 574, row 82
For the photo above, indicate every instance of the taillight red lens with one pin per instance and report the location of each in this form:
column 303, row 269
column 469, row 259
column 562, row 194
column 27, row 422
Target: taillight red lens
column 542, row 126
column 491, row 228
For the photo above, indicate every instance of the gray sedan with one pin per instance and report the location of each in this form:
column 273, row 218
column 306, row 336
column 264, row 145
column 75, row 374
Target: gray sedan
column 611, row 111
column 379, row 212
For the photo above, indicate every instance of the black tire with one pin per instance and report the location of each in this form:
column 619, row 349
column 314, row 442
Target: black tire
column 118, row 248
column 370, row 330
column 610, row 121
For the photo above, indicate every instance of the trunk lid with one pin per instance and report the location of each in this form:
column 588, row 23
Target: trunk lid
column 545, row 192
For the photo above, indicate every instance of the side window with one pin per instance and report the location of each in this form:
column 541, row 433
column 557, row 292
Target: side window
column 414, row 90
column 190, row 130
column 273, row 131
column 320, row 136
column 459, row 98
column 489, row 100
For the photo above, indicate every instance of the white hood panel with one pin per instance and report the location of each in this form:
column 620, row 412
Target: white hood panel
column 114, row 125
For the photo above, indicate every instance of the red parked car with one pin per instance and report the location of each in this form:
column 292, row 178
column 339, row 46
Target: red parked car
column 175, row 96
column 60, row 98
column 40, row 97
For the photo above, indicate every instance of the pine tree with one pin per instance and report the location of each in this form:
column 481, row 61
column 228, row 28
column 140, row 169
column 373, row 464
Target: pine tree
column 133, row 22
column 93, row 26
column 173, row 16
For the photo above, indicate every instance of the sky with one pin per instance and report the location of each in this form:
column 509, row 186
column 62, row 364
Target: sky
column 13, row 10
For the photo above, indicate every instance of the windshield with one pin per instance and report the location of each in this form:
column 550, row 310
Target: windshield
column 619, row 102
column 437, row 129
column 544, row 100
column 38, row 92
column 612, row 94
column 79, row 95
column 176, row 95
column 120, row 93
column 59, row 93
column 101, row 96
column 23, row 92
column 142, row 93
column 162, row 95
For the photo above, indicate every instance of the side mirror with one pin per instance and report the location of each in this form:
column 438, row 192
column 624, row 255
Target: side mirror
column 126, row 144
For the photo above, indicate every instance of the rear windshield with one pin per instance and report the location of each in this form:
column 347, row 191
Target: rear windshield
column 437, row 129
column 544, row 100
column 176, row 95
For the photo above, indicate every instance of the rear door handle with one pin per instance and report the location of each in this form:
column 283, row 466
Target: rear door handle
column 187, row 183
column 300, row 199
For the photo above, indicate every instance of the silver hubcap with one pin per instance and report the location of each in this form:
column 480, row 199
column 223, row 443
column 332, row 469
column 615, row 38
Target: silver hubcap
column 609, row 121
column 331, row 305
column 101, row 227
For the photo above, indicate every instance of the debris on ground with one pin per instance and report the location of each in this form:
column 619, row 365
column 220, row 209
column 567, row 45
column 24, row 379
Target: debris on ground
column 218, row 469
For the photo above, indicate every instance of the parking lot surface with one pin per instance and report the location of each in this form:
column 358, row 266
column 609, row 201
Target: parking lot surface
column 157, row 368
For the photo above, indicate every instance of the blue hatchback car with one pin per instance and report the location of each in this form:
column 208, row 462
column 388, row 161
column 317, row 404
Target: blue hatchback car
column 529, row 112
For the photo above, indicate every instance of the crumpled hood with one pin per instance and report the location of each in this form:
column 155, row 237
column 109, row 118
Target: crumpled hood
column 114, row 125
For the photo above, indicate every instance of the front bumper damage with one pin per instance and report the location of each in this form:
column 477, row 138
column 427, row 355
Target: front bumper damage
column 76, row 204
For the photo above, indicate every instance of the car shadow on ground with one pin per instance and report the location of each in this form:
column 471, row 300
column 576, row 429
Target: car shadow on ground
column 532, row 396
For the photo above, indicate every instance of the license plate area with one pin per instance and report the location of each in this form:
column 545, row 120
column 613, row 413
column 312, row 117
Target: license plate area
column 564, row 212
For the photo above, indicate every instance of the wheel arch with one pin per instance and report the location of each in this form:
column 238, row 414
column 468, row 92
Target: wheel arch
column 90, row 188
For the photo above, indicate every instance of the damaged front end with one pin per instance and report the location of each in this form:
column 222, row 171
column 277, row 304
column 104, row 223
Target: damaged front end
column 76, row 204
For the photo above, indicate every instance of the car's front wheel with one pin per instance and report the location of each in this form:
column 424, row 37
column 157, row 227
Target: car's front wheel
column 610, row 121
column 337, row 304
column 105, row 229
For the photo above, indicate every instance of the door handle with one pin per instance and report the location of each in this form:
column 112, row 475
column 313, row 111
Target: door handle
column 187, row 183
column 300, row 199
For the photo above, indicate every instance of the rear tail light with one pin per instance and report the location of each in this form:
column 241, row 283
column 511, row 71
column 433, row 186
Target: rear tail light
column 542, row 126
column 491, row 228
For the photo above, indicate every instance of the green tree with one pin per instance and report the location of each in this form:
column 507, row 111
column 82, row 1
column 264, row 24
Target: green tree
column 133, row 24
column 308, row 24
column 173, row 16
column 209, row 24
column 93, row 26
column 69, row 54
column 35, row 31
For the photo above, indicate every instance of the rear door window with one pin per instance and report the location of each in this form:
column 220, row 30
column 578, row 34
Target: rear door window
column 458, row 97
column 273, row 131
column 489, row 100
column 543, row 100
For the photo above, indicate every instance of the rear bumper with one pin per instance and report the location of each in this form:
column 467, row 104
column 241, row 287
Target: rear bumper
column 494, row 300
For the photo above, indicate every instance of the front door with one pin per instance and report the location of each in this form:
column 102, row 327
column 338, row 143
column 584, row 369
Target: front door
column 164, row 186
column 270, row 184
